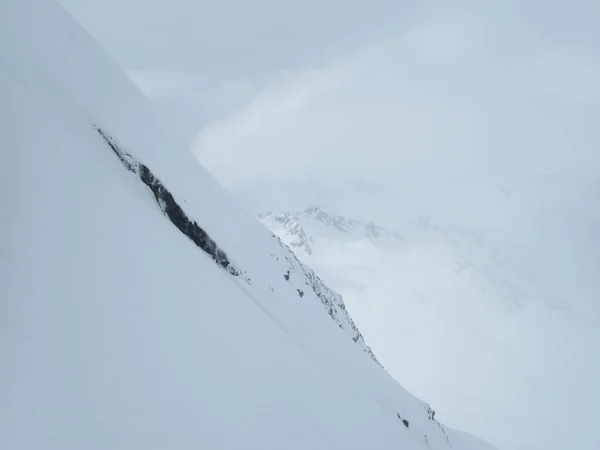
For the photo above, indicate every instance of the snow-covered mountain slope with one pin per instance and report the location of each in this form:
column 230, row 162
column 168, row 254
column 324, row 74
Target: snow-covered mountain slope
column 141, row 307
column 471, row 313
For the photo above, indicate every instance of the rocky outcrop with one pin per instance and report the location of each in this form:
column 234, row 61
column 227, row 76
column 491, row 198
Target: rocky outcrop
column 170, row 208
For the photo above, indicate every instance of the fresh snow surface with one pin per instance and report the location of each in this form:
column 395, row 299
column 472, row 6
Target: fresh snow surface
column 461, row 324
column 119, row 332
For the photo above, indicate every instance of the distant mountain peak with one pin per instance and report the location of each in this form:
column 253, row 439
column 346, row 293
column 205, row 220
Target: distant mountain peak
column 295, row 225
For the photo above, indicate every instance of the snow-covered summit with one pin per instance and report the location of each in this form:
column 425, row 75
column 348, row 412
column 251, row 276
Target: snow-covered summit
column 298, row 228
column 141, row 306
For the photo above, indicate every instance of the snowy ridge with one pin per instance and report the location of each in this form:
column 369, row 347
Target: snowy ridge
column 332, row 301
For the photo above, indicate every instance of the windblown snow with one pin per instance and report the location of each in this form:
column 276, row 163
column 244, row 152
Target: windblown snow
column 142, row 307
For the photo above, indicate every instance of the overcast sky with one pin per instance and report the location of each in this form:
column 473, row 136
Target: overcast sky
column 482, row 87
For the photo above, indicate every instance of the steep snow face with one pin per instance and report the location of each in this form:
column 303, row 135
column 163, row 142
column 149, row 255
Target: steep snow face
column 141, row 307
column 469, row 312
column 331, row 301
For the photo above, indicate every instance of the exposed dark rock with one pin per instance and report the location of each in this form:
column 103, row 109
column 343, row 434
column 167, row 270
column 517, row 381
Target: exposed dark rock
column 431, row 413
column 404, row 421
column 166, row 202
column 300, row 292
